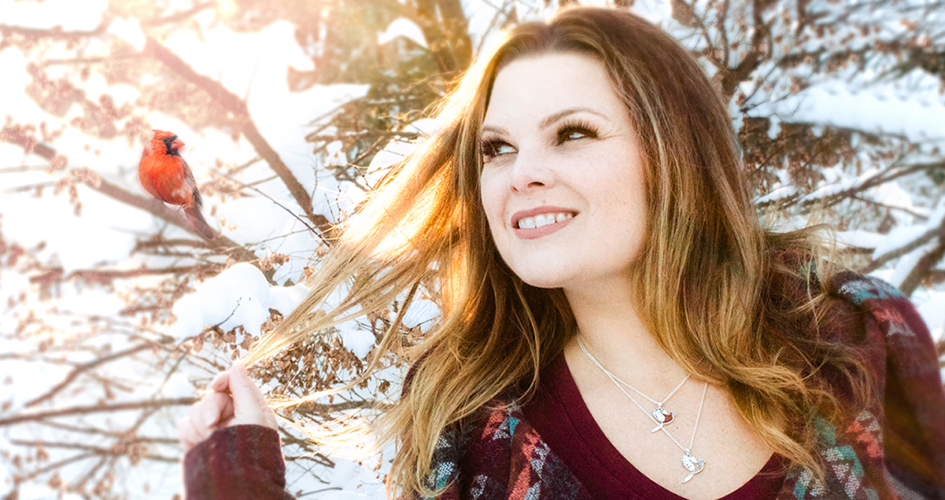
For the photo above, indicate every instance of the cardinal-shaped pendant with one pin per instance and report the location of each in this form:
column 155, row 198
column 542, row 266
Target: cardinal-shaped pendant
column 692, row 465
column 662, row 417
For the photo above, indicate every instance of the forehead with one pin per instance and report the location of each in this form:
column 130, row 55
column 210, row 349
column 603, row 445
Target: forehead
column 548, row 83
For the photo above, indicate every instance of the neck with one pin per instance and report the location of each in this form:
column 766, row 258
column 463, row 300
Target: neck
column 613, row 331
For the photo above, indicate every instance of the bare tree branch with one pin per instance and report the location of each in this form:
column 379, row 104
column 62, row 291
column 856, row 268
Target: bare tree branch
column 238, row 109
column 923, row 268
column 99, row 408
column 120, row 449
column 78, row 370
column 900, row 252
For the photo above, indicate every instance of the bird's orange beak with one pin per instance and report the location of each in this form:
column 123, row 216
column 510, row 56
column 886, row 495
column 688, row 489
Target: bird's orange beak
column 177, row 144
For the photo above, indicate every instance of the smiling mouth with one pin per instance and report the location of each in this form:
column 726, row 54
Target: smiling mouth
column 537, row 221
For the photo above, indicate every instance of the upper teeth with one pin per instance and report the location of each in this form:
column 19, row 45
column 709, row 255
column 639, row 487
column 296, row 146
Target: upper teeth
column 542, row 220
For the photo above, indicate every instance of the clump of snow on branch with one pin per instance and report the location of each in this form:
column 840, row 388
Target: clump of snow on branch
column 356, row 339
column 238, row 296
column 402, row 27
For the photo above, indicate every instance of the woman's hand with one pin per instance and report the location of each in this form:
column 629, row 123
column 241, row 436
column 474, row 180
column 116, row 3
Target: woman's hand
column 235, row 400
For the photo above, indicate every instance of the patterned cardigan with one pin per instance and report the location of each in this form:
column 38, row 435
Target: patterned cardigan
column 894, row 449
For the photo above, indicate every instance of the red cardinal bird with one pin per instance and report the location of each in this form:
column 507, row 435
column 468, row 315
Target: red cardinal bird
column 165, row 174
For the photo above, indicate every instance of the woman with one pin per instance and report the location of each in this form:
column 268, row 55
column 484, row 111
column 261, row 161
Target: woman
column 615, row 322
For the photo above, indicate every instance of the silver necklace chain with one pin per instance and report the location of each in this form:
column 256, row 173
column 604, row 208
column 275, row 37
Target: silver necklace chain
column 693, row 465
column 659, row 404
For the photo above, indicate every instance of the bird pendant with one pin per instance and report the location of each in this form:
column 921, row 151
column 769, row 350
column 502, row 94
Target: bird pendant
column 693, row 465
column 662, row 418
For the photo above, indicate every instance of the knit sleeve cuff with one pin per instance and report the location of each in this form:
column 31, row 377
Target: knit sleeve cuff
column 238, row 462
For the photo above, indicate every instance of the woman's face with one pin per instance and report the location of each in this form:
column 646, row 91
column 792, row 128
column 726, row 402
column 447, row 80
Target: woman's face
column 562, row 181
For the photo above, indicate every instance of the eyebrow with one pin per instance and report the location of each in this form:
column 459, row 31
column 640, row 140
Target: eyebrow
column 550, row 119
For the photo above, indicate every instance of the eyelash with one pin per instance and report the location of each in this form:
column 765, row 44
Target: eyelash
column 489, row 146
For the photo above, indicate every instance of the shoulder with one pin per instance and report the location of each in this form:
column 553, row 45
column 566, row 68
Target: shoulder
column 912, row 397
column 887, row 312
column 880, row 322
column 860, row 310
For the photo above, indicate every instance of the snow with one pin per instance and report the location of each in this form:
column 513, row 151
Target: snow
column 242, row 215
column 13, row 84
column 49, row 14
column 398, row 149
column 253, row 66
column 906, row 263
column 335, row 156
column 236, row 60
column 32, row 379
column 178, row 385
column 355, row 339
column 128, row 30
column 917, row 115
column 776, row 194
column 902, row 236
column 893, row 195
column 898, row 238
column 6, row 477
column 402, row 27
column 932, row 311
column 285, row 298
column 860, row 238
column 239, row 296
column 69, row 244
column 33, row 491
column 421, row 313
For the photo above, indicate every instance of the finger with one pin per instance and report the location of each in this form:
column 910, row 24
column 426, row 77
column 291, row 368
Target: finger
column 246, row 396
column 195, row 415
column 220, row 383
column 203, row 415
column 226, row 414
column 229, row 417
column 249, row 405
column 218, row 406
column 187, row 434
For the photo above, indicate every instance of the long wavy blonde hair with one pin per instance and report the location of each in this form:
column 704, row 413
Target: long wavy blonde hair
column 714, row 283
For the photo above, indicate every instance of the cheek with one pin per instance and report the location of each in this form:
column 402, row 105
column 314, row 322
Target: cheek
column 493, row 200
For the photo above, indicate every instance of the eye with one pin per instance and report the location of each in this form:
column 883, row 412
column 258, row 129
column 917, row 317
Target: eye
column 492, row 148
column 575, row 131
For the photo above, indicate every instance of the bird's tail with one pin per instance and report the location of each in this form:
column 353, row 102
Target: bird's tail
column 198, row 222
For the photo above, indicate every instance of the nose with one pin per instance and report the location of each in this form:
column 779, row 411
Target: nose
column 530, row 172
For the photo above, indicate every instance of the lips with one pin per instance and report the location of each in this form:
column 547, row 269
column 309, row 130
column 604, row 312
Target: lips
column 541, row 221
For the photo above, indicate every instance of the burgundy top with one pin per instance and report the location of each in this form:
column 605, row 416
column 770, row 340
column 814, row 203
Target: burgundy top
column 562, row 419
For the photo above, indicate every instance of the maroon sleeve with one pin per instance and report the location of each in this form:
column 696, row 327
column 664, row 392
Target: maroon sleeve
column 236, row 463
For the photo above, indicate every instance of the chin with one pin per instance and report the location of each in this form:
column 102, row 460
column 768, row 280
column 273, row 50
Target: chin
column 542, row 279
column 547, row 285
